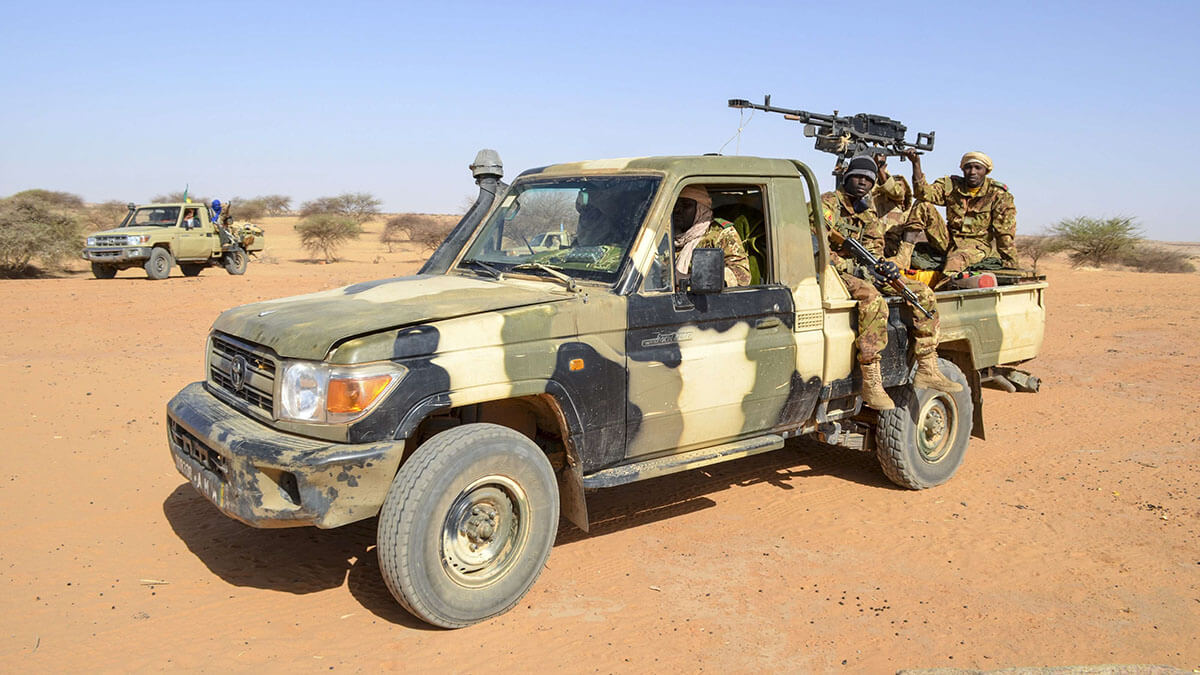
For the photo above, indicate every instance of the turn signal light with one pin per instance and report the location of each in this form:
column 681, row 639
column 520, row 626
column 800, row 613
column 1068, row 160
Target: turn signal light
column 355, row 395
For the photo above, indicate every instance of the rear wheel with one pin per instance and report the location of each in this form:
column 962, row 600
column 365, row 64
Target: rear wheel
column 468, row 524
column 103, row 271
column 922, row 441
column 191, row 269
column 236, row 260
column 159, row 264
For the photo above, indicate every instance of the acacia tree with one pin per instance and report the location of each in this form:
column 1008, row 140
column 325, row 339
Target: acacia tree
column 1095, row 241
column 324, row 233
column 35, row 226
column 360, row 206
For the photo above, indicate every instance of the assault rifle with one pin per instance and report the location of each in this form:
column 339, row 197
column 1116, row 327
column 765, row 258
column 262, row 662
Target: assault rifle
column 861, row 134
column 864, row 257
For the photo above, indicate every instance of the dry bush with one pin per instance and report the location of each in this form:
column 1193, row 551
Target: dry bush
column 247, row 209
column 35, row 226
column 1036, row 246
column 104, row 216
column 1145, row 258
column 174, row 197
column 324, row 233
column 423, row 229
column 276, row 205
column 360, row 206
column 1096, row 241
column 63, row 201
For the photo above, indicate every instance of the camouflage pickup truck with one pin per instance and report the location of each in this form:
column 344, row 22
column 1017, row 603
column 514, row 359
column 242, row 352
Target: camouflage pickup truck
column 157, row 236
column 469, row 405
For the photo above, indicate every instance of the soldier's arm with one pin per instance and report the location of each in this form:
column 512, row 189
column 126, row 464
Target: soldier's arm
column 893, row 188
column 1004, row 229
column 922, row 190
column 737, row 264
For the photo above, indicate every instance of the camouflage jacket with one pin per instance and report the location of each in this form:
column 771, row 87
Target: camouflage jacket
column 722, row 235
column 893, row 198
column 866, row 227
column 974, row 220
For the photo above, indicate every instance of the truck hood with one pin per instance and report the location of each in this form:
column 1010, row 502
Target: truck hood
column 308, row 326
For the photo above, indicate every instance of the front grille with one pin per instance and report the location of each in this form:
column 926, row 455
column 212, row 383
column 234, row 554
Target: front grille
column 258, row 382
column 193, row 447
column 111, row 240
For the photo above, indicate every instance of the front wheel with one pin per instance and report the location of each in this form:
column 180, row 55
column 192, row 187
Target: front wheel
column 103, row 271
column 159, row 264
column 236, row 260
column 922, row 441
column 468, row 524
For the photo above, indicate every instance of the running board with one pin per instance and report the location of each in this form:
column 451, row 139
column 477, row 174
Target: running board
column 661, row 466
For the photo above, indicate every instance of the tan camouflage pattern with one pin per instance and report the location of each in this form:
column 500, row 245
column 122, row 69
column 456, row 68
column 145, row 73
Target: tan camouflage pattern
column 892, row 200
column 976, row 223
column 737, row 266
column 683, row 378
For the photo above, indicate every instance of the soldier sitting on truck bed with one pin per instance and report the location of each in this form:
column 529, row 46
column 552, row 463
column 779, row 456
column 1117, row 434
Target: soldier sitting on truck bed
column 693, row 226
column 851, row 212
column 979, row 214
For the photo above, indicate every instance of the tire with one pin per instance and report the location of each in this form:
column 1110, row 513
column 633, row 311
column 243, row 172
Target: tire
column 476, row 485
column 236, row 260
column 922, row 441
column 103, row 271
column 159, row 265
column 191, row 269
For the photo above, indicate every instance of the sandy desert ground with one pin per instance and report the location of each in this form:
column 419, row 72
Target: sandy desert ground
column 1071, row 536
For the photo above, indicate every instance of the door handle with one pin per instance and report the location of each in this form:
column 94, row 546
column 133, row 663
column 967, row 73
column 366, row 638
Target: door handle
column 768, row 322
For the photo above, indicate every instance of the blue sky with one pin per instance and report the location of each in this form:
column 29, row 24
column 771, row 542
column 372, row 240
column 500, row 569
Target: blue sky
column 1086, row 108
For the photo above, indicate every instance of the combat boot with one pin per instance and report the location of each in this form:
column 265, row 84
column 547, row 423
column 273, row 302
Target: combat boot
column 873, row 395
column 929, row 376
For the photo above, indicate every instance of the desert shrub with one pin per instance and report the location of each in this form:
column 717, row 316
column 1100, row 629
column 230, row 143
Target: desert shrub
column 248, row 209
column 35, row 227
column 324, row 233
column 276, row 205
column 423, row 229
column 1095, row 241
column 64, row 201
column 1036, row 246
column 360, row 206
column 1145, row 258
column 104, row 216
column 172, row 197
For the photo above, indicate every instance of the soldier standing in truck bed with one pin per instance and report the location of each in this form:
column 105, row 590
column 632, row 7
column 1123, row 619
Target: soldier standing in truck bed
column 851, row 212
column 979, row 213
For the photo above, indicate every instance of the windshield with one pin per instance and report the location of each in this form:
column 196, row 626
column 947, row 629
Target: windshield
column 154, row 215
column 582, row 226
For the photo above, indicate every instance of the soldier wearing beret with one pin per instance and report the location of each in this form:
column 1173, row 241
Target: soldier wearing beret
column 980, row 213
column 851, row 211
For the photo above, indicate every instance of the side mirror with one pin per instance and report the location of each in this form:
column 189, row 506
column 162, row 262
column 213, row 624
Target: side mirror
column 708, row 270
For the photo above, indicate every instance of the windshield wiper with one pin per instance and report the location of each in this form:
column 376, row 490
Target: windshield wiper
column 485, row 268
column 552, row 271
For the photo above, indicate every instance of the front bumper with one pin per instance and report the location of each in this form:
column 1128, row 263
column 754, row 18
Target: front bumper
column 266, row 478
column 117, row 255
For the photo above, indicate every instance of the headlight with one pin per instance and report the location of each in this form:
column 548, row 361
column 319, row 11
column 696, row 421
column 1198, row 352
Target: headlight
column 136, row 239
column 317, row 392
column 91, row 241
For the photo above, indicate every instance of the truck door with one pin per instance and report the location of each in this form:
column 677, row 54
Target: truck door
column 709, row 368
column 195, row 233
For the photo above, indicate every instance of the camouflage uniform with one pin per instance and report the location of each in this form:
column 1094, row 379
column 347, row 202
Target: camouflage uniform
column 893, row 198
column 872, row 308
column 722, row 235
column 972, row 223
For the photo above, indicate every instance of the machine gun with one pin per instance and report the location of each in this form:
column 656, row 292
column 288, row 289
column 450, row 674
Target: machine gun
column 864, row 257
column 860, row 134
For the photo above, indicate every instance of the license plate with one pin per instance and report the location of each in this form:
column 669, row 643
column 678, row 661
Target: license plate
column 205, row 482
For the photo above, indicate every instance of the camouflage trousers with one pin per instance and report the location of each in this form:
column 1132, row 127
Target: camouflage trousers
column 873, row 317
column 961, row 252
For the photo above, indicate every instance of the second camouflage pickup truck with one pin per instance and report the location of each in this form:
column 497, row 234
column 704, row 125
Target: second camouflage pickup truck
column 470, row 404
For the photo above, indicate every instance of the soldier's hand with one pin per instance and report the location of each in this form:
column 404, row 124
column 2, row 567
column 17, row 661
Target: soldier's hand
column 888, row 270
column 881, row 166
column 912, row 156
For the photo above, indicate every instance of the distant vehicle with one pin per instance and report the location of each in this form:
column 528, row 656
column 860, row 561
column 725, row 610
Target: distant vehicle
column 551, row 241
column 157, row 236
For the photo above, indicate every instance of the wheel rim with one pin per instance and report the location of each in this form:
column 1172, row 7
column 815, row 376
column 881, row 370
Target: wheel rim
column 485, row 531
column 160, row 264
column 937, row 427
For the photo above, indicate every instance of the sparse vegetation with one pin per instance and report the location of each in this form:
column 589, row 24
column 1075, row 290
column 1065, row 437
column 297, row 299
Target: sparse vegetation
column 324, row 233
column 276, row 205
column 37, row 225
column 1096, row 241
column 104, row 216
column 1148, row 258
column 360, row 206
column 172, row 197
column 1036, row 246
column 424, row 230
column 247, row 209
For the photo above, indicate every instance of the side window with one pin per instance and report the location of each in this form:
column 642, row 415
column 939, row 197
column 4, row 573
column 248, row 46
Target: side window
column 743, row 208
column 659, row 276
